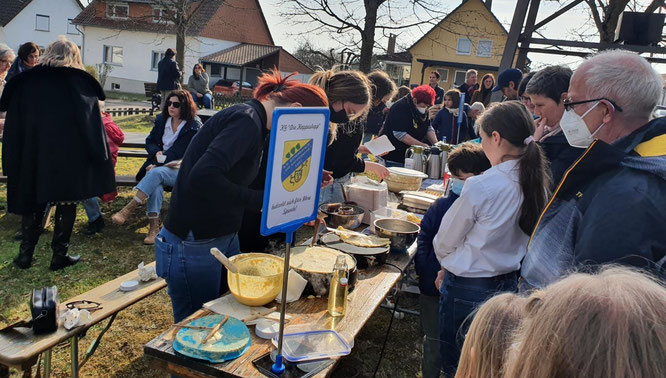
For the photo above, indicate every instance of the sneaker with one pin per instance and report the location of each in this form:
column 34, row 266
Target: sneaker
column 95, row 226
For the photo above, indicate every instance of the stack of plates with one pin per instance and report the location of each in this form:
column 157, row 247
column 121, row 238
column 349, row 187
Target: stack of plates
column 418, row 200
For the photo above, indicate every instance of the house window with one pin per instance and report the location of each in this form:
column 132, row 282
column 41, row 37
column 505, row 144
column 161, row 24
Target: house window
column 113, row 55
column 215, row 70
column 71, row 28
column 161, row 15
column 443, row 75
column 155, row 60
column 117, row 10
column 483, row 48
column 42, row 22
column 459, row 79
column 464, row 46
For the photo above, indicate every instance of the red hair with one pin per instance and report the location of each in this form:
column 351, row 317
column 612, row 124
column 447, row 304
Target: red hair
column 424, row 94
column 272, row 86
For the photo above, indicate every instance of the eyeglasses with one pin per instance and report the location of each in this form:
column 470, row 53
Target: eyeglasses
column 568, row 105
column 84, row 305
column 174, row 104
column 526, row 98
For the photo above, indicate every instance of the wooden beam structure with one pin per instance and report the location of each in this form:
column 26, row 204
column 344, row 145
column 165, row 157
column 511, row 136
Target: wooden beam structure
column 512, row 40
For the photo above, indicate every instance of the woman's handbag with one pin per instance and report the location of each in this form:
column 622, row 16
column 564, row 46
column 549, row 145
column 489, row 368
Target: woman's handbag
column 44, row 308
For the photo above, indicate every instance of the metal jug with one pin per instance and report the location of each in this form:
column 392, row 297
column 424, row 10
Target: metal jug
column 434, row 164
column 418, row 157
column 443, row 157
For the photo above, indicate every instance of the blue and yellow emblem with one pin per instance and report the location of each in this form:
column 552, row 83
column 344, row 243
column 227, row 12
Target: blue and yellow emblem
column 296, row 160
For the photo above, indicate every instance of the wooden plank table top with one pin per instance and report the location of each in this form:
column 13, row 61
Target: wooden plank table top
column 372, row 287
column 19, row 346
column 134, row 140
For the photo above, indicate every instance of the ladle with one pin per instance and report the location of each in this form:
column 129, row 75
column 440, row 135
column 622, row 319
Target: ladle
column 224, row 260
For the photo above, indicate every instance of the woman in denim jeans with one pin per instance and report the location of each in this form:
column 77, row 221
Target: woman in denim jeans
column 211, row 193
column 483, row 236
column 166, row 144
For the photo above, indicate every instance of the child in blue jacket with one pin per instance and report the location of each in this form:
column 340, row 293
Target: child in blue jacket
column 465, row 161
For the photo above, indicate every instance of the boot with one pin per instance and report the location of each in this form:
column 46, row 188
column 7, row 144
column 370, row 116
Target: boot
column 121, row 216
column 153, row 231
column 30, row 230
column 62, row 231
column 95, row 226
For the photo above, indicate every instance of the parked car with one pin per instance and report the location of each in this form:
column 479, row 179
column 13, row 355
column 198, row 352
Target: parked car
column 229, row 88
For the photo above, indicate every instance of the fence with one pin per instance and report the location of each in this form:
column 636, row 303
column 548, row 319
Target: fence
column 220, row 102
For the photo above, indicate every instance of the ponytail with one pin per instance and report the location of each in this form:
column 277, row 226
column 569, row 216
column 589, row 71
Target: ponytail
column 514, row 124
column 284, row 90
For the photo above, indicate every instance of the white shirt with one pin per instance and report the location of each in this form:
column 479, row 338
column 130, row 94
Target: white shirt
column 479, row 235
column 169, row 137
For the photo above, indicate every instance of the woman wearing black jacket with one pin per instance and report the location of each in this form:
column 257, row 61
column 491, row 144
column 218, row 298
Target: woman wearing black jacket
column 166, row 144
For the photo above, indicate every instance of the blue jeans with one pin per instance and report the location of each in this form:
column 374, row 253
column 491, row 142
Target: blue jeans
column 458, row 298
column 333, row 192
column 91, row 206
column 207, row 99
column 153, row 186
column 192, row 274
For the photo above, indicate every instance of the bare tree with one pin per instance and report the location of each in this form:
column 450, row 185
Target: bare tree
column 315, row 57
column 355, row 23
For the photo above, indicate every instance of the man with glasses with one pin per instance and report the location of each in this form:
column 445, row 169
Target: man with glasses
column 609, row 206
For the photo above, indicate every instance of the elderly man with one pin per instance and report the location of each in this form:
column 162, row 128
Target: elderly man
column 609, row 206
column 470, row 85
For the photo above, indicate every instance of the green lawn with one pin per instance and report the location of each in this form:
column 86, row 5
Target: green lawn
column 118, row 250
column 125, row 96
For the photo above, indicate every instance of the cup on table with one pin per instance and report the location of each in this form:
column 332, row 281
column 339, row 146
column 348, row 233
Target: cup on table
column 161, row 158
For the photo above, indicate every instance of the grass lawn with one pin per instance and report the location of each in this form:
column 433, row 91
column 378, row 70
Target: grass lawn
column 125, row 96
column 118, row 250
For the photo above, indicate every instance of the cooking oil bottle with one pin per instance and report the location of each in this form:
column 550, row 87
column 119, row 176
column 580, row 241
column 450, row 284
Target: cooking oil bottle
column 337, row 295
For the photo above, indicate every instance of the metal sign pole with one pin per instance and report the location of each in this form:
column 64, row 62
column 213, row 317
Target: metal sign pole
column 278, row 366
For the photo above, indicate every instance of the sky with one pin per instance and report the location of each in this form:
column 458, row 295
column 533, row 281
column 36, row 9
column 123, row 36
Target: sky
column 561, row 28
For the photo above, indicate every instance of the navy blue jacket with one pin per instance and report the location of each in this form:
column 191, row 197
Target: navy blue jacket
column 154, row 142
column 168, row 75
column 446, row 125
column 560, row 155
column 425, row 261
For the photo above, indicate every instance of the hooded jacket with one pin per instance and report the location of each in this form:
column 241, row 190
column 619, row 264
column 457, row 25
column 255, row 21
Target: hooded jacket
column 608, row 208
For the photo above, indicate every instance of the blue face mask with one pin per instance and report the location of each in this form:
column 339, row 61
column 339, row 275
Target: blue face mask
column 457, row 186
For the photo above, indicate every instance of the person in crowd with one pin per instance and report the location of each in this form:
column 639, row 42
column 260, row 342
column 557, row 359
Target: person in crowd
column 470, row 85
column 547, row 91
column 465, row 161
column 168, row 75
column 6, row 58
column 403, row 91
column 166, row 145
column 606, row 324
column 57, row 155
column 342, row 154
column 434, row 84
column 508, row 82
column 114, row 137
column 198, row 86
column 211, row 192
column 28, row 57
column 475, row 111
column 490, row 336
column 609, row 204
column 383, row 90
column 408, row 123
column 483, row 236
column 446, row 121
column 483, row 94
column 524, row 98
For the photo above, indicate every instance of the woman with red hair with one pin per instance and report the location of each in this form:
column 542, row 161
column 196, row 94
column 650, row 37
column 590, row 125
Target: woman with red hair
column 408, row 124
column 211, row 191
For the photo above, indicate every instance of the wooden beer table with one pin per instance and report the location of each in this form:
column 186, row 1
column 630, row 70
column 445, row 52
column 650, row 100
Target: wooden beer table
column 371, row 288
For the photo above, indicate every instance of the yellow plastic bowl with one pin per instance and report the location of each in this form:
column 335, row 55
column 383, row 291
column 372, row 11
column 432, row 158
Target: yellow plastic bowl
column 259, row 278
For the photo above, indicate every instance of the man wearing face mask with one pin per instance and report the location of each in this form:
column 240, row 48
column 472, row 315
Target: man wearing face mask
column 465, row 161
column 408, row 124
column 609, row 206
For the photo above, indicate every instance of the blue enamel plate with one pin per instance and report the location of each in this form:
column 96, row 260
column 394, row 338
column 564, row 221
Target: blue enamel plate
column 231, row 341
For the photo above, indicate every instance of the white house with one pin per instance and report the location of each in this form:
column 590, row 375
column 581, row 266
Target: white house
column 39, row 21
column 132, row 36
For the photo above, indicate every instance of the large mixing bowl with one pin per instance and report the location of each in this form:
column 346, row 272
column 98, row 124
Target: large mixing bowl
column 337, row 216
column 259, row 278
column 402, row 233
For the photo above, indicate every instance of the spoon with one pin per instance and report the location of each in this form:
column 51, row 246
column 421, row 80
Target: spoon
column 224, row 260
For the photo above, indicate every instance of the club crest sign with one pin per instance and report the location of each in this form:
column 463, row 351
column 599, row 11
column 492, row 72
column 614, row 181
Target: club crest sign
column 296, row 163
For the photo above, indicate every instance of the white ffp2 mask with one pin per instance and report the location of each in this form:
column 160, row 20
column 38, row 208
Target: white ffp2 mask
column 575, row 129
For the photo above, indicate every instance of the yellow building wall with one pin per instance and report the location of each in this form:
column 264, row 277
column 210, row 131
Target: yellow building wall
column 473, row 21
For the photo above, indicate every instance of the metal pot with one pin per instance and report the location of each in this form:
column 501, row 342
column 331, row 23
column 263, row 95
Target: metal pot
column 346, row 215
column 402, row 233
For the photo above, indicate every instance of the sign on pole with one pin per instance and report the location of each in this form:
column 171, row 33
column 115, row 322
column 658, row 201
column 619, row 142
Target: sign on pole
column 295, row 164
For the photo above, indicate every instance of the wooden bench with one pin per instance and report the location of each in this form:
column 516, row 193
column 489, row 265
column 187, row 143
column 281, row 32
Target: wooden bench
column 154, row 95
column 20, row 348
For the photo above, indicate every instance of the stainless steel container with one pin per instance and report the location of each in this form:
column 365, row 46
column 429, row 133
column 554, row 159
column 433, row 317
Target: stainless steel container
column 434, row 164
column 402, row 233
column 337, row 216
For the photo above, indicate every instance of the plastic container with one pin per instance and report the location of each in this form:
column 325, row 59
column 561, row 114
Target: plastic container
column 259, row 279
column 313, row 345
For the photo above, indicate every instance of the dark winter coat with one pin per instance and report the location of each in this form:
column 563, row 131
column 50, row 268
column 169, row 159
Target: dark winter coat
column 168, row 75
column 16, row 68
column 54, row 143
column 375, row 119
column 560, row 155
column 403, row 117
column 446, row 126
column 154, row 143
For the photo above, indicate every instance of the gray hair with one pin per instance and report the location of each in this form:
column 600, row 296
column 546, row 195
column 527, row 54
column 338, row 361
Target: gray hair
column 5, row 51
column 471, row 72
column 624, row 77
column 478, row 106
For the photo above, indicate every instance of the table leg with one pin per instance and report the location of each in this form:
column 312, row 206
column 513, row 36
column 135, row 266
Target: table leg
column 47, row 363
column 74, row 344
column 4, row 371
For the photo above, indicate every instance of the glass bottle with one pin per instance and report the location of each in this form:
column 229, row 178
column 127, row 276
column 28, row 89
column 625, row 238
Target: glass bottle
column 337, row 294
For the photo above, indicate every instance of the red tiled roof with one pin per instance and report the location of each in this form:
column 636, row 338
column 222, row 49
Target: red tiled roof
column 241, row 54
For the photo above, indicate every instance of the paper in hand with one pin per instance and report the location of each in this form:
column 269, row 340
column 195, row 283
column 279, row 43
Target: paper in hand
column 379, row 146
